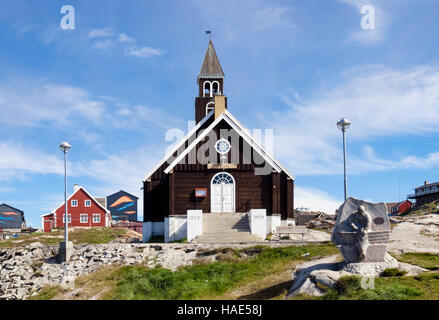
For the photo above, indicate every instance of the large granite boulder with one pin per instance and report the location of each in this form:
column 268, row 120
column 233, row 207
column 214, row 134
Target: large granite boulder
column 361, row 231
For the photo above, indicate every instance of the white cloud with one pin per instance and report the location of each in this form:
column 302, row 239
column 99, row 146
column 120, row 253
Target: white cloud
column 33, row 102
column 16, row 161
column 106, row 39
column 315, row 199
column 144, row 52
column 101, row 33
column 379, row 101
column 103, row 45
column 36, row 102
column 122, row 37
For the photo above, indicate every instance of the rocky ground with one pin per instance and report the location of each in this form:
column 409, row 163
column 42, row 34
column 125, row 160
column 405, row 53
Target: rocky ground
column 25, row 270
column 415, row 234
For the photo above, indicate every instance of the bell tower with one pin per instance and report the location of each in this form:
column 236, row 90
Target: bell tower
column 210, row 83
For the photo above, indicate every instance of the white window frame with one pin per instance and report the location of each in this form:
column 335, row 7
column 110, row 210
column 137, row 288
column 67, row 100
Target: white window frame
column 81, row 216
column 87, row 201
column 211, row 86
column 210, row 94
column 210, row 106
column 74, row 205
column 69, row 218
column 98, row 216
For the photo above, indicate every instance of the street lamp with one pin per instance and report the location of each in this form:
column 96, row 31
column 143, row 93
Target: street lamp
column 65, row 251
column 343, row 125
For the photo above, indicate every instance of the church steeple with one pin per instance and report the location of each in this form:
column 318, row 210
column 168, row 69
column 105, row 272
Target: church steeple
column 210, row 83
column 211, row 68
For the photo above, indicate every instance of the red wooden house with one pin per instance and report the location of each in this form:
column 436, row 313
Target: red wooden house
column 400, row 208
column 83, row 211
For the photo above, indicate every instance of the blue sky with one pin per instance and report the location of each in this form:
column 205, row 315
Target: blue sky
column 126, row 74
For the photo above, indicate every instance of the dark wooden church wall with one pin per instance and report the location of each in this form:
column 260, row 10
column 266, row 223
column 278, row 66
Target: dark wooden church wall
column 251, row 191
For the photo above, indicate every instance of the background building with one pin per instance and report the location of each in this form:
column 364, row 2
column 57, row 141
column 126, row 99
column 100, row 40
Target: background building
column 11, row 219
column 83, row 211
column 122, row 206
column 426, row 193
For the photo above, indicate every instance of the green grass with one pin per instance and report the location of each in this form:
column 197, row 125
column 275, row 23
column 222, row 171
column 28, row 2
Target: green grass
column 393, row 272
column 47, row 293
column 77, row 236
column 425, row 287
column 423, row 259
column 236, row 267
column 424, row 209
column 95, row 235
column 51, row 238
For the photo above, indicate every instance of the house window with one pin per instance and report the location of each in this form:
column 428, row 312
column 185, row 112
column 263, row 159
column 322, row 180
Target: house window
column 74, row 203
column 88, row 203
column 69, row 218
column 96, row 218
column 83, row 218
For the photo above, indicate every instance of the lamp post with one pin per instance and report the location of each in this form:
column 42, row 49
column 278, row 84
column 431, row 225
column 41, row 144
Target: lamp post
column 343, row 125
column 65, row 249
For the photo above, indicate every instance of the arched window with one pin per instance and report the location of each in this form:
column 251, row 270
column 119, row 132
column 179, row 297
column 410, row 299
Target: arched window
column 223, row 177
column 209, row 107
column 216, row 87
column 207, row 89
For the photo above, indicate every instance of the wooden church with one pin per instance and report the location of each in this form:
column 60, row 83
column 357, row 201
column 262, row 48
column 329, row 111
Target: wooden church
column 218, row 168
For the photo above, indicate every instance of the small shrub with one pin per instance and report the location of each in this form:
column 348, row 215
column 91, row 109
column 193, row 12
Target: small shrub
column 393, row 272
column 348, row 285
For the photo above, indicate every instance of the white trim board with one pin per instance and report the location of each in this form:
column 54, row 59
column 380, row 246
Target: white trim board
column 244, row 133
column 177, row 146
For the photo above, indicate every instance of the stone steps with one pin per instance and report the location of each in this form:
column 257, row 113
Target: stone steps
column 226, row 228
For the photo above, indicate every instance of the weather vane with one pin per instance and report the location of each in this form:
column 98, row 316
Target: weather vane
column 209, row 32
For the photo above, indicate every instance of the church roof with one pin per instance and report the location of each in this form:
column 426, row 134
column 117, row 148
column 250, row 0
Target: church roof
column 244, row 133
column 211, row 67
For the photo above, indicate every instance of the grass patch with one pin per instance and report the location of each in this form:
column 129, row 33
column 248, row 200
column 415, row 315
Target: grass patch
column 49, row 239
column 77, row 236
column 95, row 235
column 235, row 268
column 427, row 208
column 47, row 293
column 393, row 272
column 425, row 287
column 425, row 260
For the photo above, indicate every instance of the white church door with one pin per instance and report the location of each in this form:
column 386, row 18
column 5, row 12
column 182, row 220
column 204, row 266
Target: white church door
column 222, row 191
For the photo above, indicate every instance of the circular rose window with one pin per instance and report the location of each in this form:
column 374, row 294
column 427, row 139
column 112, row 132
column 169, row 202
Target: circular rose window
column 222, row 146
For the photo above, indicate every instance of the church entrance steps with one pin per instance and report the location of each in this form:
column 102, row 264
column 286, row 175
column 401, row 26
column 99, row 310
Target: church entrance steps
column 226, row 228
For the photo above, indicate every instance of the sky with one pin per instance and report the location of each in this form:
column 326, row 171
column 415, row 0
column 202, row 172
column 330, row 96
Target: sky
column 126, row 74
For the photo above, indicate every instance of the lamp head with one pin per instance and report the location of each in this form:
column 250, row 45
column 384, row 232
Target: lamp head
column 65, row 146
column 343, row 124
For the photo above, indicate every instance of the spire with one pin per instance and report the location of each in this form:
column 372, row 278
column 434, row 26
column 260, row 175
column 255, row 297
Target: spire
column 211, row 67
